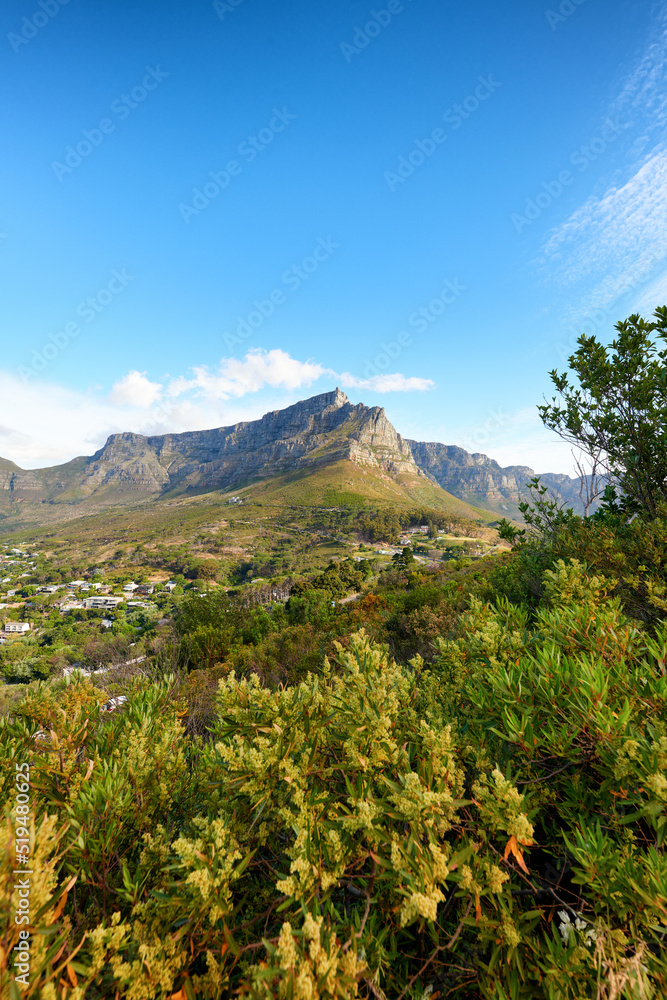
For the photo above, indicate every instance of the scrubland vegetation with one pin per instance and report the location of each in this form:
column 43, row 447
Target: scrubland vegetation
column 453, row 785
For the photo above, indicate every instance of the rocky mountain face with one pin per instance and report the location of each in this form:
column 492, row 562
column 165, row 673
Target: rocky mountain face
column 323, row 429
column 481, row 481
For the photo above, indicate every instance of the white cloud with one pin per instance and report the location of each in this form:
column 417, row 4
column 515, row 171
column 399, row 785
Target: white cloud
column 235, row 378
column 134, row 389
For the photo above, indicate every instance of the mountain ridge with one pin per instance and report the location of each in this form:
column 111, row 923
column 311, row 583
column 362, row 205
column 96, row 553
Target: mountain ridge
column 480, row 480
column 320, row 430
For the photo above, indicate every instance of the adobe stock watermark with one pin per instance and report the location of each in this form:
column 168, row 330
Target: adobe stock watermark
column 88, row 310
column 454, row 117
column 31, row 26
column 582, row 157
column 377, row 22
column 419, row 321
column 22, row 871
column 223, row 7
column 122, row 108
column 292, row 279
column 566, row 9
column 249, row 149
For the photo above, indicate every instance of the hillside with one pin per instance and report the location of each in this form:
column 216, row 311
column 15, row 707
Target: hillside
column 348, row 484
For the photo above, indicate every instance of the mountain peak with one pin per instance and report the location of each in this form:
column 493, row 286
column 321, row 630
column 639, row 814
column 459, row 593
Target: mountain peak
column 326, row 400
column 340, row 397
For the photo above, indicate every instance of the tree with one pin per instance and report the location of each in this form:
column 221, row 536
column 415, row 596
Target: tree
column 405, row 558
column 617, row 415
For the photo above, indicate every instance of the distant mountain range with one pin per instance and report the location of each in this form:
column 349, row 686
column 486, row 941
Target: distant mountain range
column 317, row 432
column 480, row 481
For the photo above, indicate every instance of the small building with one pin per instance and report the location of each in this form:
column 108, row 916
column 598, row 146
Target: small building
column 169, row 586
column 145, row 589
column 130, row 587
column 103, row 602
column 20, row 627
column 51, row 589
column 75, row 584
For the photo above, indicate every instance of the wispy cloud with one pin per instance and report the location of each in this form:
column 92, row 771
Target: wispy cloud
column 617, row 240
column 624, row 231
column 642, row 97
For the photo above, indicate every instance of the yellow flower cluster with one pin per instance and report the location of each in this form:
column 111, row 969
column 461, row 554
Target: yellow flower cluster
column 311, row 965
column 420, row 904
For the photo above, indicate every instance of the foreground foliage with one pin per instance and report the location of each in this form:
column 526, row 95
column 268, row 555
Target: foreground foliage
column 491, row 824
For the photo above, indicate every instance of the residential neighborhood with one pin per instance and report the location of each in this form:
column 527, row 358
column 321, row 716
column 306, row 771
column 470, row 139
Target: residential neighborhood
column 47, row 619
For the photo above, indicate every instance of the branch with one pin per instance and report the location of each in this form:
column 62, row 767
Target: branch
column 441, row 947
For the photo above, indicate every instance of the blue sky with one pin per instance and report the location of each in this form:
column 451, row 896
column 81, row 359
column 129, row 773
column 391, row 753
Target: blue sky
column 211, row 210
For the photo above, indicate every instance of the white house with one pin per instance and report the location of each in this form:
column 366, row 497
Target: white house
column 130, row 587
column 169, row 586
column 17, row 627
column 102, row 602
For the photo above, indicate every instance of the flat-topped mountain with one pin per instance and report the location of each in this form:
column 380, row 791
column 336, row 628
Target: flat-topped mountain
column 320, row 431
column 324, row 429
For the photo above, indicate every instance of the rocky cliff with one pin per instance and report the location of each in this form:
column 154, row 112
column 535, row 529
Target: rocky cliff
column 481, row 481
